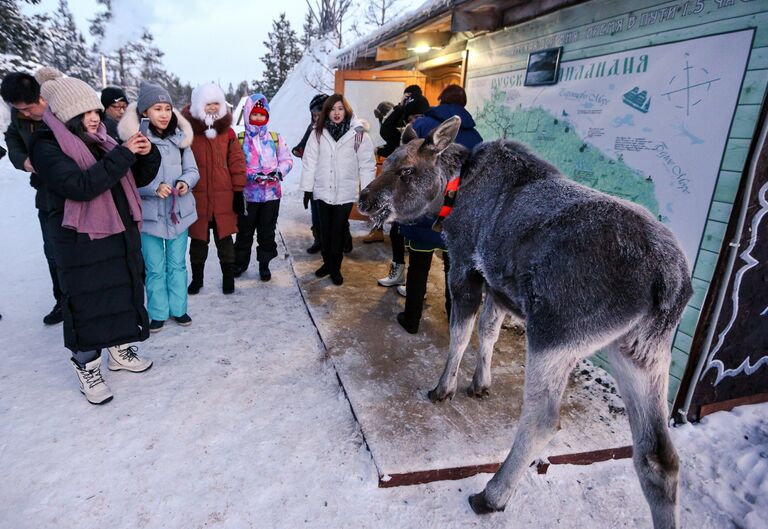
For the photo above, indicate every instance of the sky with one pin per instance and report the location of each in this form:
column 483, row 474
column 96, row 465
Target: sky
column 203, row 40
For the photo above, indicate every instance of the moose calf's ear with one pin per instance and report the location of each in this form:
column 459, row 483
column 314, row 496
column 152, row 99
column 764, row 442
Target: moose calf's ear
column 408, row 135
column 444, row 134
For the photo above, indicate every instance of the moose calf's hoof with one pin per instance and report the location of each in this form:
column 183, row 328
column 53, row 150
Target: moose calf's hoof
column 480, row 505
column 436, row 396
column 480, row 393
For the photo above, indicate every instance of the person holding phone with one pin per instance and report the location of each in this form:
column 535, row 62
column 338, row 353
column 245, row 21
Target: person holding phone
column 168, row 206
column 94, row 219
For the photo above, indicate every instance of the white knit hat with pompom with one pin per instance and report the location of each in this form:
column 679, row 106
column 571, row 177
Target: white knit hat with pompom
column 67, row 97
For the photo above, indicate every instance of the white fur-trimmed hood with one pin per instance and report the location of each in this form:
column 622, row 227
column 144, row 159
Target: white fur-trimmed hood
column 205, row 94
column 129, row 125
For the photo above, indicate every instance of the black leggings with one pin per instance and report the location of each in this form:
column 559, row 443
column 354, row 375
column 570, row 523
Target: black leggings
column 333, row 221
column 419, row 264
column 398, row 244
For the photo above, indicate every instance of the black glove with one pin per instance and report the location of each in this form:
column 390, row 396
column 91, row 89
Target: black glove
column 307, row 198
column 238, row 203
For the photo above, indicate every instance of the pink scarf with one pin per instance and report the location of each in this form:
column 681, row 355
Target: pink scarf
column 97, row 217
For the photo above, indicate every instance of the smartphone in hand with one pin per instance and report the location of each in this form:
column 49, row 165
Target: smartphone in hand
column 144, row 126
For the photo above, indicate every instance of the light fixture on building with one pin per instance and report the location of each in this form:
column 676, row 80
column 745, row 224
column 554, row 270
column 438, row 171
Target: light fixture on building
column 427, row 40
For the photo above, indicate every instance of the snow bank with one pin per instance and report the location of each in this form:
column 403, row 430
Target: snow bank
column 289, row 108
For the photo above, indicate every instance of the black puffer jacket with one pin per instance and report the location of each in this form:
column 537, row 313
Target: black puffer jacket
column 101, row 280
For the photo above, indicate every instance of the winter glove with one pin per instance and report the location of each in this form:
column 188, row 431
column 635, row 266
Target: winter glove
column 307, row 198
column 238, row 203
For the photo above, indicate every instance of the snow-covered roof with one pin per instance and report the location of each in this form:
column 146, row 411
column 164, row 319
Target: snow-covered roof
column 404, row 22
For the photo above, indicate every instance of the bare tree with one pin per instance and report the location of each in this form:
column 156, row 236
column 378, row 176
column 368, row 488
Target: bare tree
column 329, row 17
column 379, row 12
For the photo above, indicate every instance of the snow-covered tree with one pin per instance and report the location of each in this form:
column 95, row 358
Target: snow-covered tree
column 65, row 47
column 283, row 52
column 19, row 34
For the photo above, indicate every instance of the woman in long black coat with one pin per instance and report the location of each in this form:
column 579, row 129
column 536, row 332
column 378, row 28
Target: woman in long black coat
column 101, row 277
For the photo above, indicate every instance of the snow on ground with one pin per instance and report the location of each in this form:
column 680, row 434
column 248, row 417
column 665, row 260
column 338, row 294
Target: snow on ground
column 241, row 423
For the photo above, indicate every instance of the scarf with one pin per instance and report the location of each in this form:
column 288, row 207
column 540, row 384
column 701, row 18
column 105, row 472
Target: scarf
column 337, row 130
column 97, row 217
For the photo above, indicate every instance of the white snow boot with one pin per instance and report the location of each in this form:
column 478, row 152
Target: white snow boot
column 92, row 384
column 125, row 357
column 396, row 275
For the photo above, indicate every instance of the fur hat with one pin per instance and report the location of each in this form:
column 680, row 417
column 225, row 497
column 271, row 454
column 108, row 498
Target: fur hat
column 151, row 94
column 111, row 95
column 203, row 95
column 67, row 97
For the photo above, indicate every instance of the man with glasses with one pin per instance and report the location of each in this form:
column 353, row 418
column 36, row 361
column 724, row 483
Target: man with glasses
column 115, row 102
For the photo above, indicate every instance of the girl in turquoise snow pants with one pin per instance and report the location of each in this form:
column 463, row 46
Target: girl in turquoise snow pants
column 168, row 206
column 165, row 264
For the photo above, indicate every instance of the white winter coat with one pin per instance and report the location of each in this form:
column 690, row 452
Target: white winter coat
column 332, row 170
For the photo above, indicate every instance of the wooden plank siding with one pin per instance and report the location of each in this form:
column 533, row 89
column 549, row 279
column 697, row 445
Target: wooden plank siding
column 585, row 31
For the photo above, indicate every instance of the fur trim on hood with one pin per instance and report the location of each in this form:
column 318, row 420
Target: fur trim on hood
column 220, row 126
column 357, row 123
column 129, row 126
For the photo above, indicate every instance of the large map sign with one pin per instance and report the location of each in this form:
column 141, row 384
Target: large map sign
column 649, row 125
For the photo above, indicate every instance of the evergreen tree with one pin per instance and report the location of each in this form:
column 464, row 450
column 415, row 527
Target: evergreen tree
column 310, row 30
column 283, row 53
column 18, row 33
column 65, row 47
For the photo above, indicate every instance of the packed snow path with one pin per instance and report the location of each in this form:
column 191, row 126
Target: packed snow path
column 241, row 423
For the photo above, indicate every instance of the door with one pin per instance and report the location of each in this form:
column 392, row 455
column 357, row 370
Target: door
column 365, row 89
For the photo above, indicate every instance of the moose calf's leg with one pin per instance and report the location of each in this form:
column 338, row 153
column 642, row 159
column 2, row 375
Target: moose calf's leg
column 643, row 387
column 546, row 374
column 466, row 299
column 489, row 325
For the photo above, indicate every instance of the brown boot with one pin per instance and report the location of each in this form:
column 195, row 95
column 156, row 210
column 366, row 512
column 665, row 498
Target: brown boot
column 376, row 235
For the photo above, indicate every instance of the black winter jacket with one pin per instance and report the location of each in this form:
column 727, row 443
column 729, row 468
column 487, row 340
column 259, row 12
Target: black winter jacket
column 390, row 131
column 18, row 138
column 102, row 280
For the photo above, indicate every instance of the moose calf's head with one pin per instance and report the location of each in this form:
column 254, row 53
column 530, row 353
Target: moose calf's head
column 413, row 178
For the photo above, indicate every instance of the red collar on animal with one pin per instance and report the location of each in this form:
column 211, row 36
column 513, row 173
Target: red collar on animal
column 451, row 188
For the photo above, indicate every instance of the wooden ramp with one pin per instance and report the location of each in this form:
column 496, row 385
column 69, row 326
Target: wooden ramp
column 387, row 372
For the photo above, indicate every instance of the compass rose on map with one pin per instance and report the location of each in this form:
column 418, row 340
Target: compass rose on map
column 689, row 87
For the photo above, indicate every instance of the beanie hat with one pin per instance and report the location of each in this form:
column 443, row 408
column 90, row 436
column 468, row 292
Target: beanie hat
column 67, row 97
column 415, row 105
column 317, row 102
column 382, row 109
column 111, row 95
column 258, row 108
column 151, row 94
column 414, row 90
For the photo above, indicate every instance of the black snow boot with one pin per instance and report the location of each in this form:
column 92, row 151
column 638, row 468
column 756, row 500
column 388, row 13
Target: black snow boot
column 228, row 278
column 315, row 242
column 197, row 279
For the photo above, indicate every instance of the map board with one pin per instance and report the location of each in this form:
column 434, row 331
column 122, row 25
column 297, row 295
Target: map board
column 649, row 125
